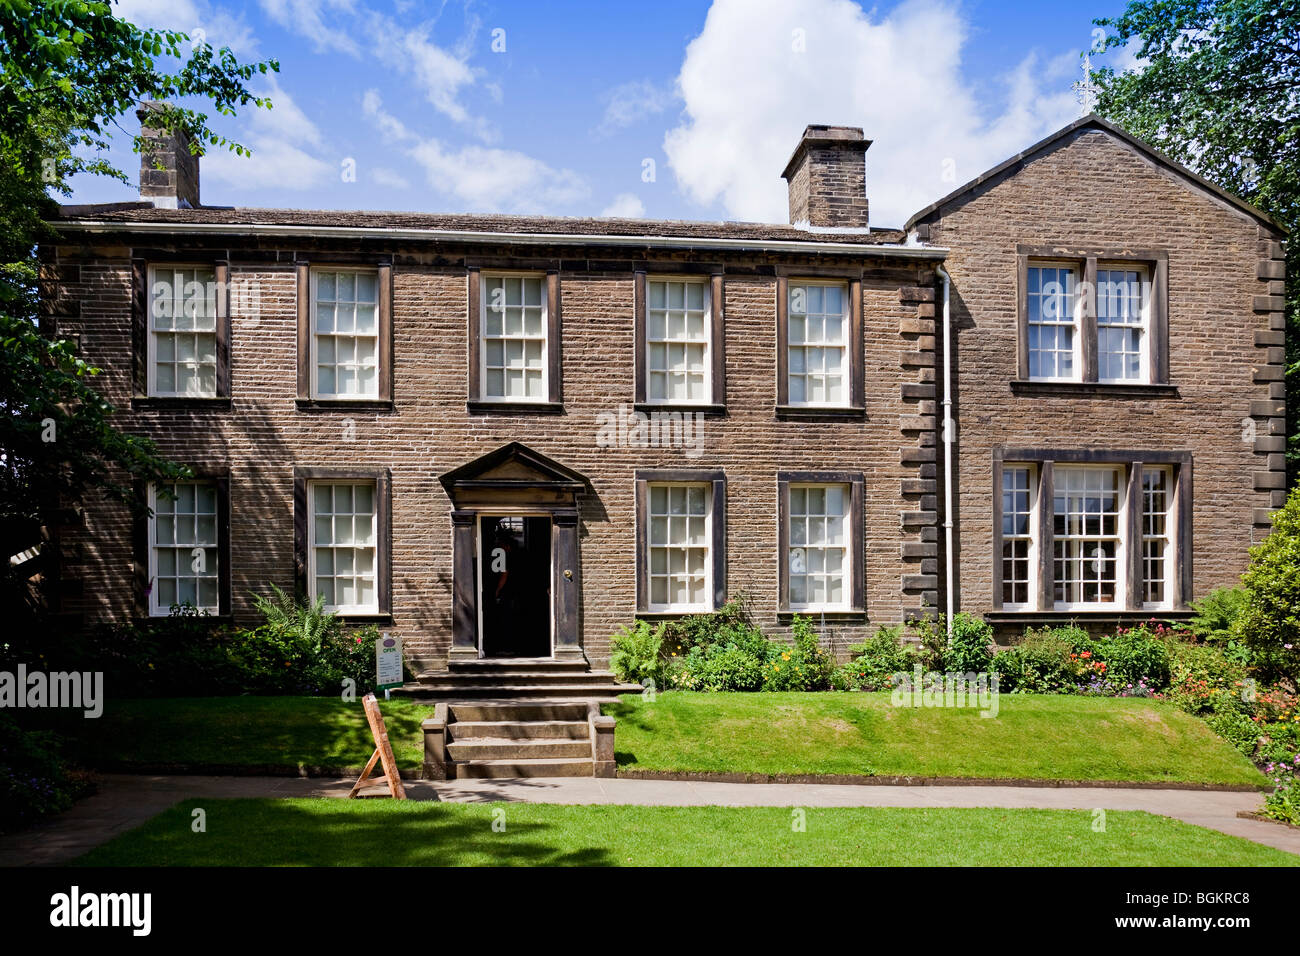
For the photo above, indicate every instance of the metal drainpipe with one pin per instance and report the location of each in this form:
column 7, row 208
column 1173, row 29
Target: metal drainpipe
column 947, row 451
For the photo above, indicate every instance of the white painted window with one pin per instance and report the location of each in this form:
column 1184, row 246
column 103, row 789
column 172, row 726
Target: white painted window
column 343, row 544
column 345, row 339
column 680, row 544
column 1123, row 321
column 819, row 543
column 183, row 547
column 1157, row 499
column 182, row 341
column 1019, row 587
column 818, row 335
column 1052, row 307
column 1086, row 513
column 677, row 341
column 513, row 339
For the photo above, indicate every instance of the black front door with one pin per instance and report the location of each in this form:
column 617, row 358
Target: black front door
column 515, row 576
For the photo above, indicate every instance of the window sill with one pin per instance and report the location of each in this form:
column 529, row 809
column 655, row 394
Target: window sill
column 1093, row 389
column 214, row 620
column 709, row 411
column 514, row 408
column 344, row 405
column 672, row 615
column 1057, row 617
column 361, row 617
column 209, row 403
column 851, row 616
column 817, row 413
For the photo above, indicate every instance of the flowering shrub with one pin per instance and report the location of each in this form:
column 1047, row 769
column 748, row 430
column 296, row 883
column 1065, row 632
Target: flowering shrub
column 34, row 781
column 874, row 662
column 1284, row 802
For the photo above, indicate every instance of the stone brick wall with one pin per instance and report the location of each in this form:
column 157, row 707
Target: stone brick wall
column 429, row 431
column 1225, row 350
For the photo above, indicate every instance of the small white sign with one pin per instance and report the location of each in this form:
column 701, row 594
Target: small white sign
column 388, row 662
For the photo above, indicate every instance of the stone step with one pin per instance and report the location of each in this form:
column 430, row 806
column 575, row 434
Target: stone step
column 491, row 664
column 479, row 749
column 453, row 690
column 520, row 729
column 497, row 712
column 505, row 677
column 544, row 767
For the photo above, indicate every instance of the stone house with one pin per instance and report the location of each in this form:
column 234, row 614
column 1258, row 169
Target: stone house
column 502, row 437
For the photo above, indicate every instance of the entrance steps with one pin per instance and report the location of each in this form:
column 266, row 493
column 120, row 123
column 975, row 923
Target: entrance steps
column 517, row 679
column 553, row 738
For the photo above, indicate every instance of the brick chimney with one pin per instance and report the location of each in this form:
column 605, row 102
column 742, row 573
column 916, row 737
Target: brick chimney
column 176, row 185
column 827, row 176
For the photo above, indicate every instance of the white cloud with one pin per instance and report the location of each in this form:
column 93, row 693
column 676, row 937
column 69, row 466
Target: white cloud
column 440, row 73
column 202, row 21
column 625, row 206
column 480, row 178
column 304, row 17
column 277, row 138
column 630, row 103
column 749, row 91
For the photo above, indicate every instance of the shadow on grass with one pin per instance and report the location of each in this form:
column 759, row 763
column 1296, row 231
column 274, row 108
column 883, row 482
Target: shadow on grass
column 342, row 833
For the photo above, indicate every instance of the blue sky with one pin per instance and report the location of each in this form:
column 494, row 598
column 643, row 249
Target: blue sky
column 670, row 109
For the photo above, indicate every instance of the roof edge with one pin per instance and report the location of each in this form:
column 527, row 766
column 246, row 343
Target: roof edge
column 1096, row 122
column 521, row 238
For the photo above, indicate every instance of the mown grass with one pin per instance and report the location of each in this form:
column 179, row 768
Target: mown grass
column 1046, row 737
column 326, row 832
column 1041, row 737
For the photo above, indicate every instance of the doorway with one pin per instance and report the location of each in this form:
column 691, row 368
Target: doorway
column 515, row 585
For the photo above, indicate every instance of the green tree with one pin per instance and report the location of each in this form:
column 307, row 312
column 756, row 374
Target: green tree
column 1270, row 622
column 70, row 68
column 1220, row 92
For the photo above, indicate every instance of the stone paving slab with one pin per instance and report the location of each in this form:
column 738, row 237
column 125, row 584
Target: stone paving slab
column 125, row 801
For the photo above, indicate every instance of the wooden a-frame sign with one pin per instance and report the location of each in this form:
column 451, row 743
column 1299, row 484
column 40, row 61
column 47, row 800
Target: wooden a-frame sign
column 383, row 752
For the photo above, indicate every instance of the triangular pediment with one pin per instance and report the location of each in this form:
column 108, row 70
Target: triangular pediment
column 513, row 466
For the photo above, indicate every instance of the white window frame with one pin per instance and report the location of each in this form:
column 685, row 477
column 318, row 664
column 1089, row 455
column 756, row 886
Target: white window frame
column 316, row 393
column 1031, row 590
column 706, row 397
column 1144, row 327
column 214, row 571
column 846, row 346
column 1122, row 543
column 1076, row 353
column 485, row 280
column 312, row 485
column 706, row 488
column 151, row 338
column 848, row 545
column 1167, row 560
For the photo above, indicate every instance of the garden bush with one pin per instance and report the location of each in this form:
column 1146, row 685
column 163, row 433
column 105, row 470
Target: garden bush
column 1041, row 663
column 874, row 662
column 971, row 647
column 1269, row 624
column 1216, row 614
column 1136, row 657
column 721, row 651
column 636, row 654
column 300, row 649
column 34, row 779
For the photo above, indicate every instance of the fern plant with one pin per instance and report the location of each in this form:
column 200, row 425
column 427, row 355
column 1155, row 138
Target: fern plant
column 306, row 620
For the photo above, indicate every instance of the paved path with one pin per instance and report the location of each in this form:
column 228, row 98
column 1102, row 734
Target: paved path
column 125, row 801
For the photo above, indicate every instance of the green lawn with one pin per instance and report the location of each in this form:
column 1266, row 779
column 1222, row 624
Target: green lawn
column 1045, row 737
column 325, row 832
column 1033, row 736
column 245, row 731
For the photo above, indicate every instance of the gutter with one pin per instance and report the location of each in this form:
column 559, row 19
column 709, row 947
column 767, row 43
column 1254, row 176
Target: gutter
column 521, row 238
column 947, row 450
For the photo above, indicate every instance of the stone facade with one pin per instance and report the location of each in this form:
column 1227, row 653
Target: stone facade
column 1087, row 189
